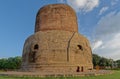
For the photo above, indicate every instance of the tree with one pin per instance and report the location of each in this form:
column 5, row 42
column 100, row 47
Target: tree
column 18, row 61
column 103, row 62
column 10, row 63
column 96, row 59
column 3, row 63
column 118, row 63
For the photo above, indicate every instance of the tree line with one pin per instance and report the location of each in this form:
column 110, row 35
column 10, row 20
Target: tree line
column 105, row 62
column 14, row 63
column 11, row 63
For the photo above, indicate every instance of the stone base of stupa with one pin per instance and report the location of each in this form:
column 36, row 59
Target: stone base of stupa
column 53, row 74
column 58, row 51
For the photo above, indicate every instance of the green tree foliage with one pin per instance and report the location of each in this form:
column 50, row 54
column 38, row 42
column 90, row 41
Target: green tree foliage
column 3, row 63
column 96, row 59
column 10, row 63
column 101, row 61
column 118, row 63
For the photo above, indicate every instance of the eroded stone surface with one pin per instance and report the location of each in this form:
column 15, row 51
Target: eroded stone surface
column 56, row 17
column 56, row 46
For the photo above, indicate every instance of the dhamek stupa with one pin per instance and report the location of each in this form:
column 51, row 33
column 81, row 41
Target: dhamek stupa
column 56, row 45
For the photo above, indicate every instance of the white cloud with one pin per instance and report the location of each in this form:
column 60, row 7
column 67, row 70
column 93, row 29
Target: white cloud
column 97, row 44
column 108, row 30
column 110, row 48
column 103, row 10
column 113, row 43
column 83, row 5
column 109, row 24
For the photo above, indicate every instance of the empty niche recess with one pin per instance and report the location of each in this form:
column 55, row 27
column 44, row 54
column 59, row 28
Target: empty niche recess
column 36, row 47
column 80, row 47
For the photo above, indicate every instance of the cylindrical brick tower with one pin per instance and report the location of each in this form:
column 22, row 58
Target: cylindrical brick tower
column 56, row 17
column 56, row 45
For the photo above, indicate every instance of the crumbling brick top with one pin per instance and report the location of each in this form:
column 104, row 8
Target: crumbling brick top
column 56, row 17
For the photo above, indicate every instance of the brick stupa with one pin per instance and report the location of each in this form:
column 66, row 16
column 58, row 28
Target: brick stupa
column 56, row 45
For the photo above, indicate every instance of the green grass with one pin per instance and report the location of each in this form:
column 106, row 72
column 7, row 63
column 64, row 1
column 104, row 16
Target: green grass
column 115, row 75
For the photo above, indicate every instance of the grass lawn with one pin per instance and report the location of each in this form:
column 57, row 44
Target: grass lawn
column 115, row 75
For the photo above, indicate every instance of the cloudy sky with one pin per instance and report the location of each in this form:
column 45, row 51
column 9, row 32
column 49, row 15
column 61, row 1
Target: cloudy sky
column 98, row 20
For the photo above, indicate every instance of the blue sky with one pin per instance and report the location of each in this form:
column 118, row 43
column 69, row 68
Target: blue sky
column 98, row 20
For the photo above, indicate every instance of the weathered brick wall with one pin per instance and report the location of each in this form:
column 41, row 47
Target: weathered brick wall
column 56, row 17
column 58, row 48
column 56, row 45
